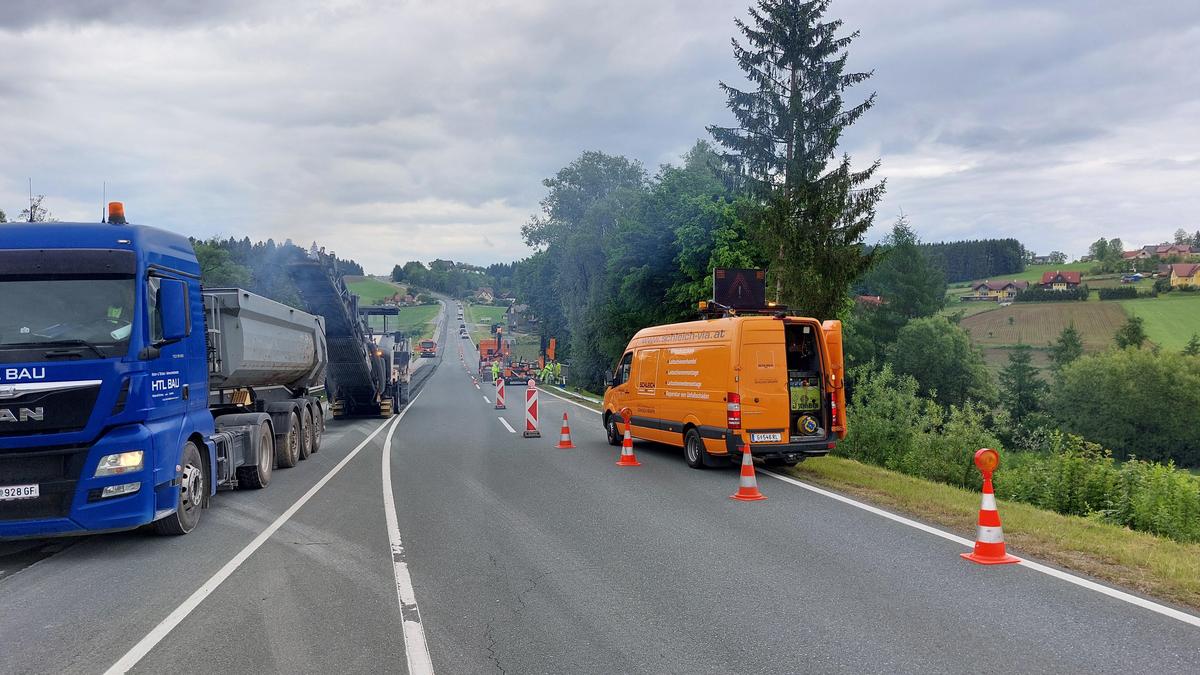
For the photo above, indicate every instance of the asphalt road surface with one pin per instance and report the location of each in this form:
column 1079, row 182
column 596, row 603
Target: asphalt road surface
column 512, row 556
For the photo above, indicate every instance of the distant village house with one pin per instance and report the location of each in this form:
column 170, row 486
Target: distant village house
column 1060, row 281
column 995, row 291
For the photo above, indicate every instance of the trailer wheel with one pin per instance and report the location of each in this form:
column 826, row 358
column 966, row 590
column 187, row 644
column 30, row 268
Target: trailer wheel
column 287, row 454
column 193, row 489
column 318, row 417
column 306, row 432
column 259, row 476
column 693, row 449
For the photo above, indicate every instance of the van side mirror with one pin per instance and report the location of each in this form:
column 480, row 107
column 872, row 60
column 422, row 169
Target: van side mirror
column 172, row 301
column 609, row 380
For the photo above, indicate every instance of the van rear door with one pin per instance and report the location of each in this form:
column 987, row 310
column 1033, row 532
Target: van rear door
column 763, row 382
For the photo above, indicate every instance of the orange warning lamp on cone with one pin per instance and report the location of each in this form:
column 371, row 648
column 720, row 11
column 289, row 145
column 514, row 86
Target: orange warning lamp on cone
column 989, row 537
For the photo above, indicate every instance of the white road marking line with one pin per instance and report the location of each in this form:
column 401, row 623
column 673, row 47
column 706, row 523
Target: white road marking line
column 156, row 635
column 506, row 425
column 486, row 399
column 416, row 648
column 1037, row 567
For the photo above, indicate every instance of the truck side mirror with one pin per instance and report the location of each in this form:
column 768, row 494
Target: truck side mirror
column 172, row 302
column 609, row 380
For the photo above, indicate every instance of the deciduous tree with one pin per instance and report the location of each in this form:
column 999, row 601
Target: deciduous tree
column 940, row 356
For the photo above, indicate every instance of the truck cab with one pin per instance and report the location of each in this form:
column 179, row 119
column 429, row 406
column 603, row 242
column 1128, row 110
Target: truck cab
column 99, row 388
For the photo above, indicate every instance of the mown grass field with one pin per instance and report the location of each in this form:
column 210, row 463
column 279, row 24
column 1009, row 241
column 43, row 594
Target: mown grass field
column 409, row 320
column 485, row 314
column 1170, row 319
column 372, row 291
column 1039, row 324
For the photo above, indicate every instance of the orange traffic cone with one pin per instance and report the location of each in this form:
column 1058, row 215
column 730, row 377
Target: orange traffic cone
column 748, row 482
column 989, row 536
column 627, row 457
column 564, row 436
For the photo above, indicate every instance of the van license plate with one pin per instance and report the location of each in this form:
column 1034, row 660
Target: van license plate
column 766, row 438
column 18, row 492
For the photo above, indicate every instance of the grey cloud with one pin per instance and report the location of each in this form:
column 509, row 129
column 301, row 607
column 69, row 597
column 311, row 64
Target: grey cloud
column 397, row 130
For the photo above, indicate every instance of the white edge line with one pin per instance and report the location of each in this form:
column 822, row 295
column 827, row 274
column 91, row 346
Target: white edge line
column 156, row 634
column 486, row 399
column 507, row 425
column 1037, row 567
column 586, row 398
column 577, row 403
column 416, row 648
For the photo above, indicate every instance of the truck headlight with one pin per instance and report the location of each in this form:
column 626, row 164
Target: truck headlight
column 122, row 462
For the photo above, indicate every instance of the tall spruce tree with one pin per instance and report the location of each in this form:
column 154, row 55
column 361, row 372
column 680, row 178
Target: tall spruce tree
column 813, row 209
column 1020, row 387
column 1067, row 348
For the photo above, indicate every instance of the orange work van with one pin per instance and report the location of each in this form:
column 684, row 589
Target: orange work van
column 717, row 386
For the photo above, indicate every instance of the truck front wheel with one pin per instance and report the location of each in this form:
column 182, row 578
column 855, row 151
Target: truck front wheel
column 288, row 452
column 193, row 488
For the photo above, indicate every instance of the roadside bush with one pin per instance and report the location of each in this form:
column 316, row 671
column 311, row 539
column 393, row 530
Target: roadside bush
column 892, row 426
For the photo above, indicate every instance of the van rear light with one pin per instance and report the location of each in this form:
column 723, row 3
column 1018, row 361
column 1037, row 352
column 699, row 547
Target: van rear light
column 733, row 406
column 835, row 415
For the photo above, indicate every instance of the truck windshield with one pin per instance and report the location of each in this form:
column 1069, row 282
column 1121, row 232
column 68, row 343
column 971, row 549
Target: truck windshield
column 47, row 318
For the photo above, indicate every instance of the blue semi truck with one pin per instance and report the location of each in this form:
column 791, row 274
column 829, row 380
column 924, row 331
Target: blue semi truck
column 129, row 394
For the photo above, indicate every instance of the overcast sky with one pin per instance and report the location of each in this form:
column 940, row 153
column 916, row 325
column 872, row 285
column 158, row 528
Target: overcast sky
column 392, row 131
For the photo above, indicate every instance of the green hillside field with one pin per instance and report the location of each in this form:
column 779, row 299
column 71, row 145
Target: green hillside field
column 1170, row 319
column 372, row 291
column 409, row 320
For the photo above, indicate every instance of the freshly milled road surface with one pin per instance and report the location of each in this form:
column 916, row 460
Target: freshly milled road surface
column 525, row 558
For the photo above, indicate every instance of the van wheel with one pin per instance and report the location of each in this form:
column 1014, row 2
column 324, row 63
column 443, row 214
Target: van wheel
column 614, row 433
column 693, row 449
column 193, row 489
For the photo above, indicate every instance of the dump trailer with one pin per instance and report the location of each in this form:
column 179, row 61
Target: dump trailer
column 128, row 394
column 357, row 381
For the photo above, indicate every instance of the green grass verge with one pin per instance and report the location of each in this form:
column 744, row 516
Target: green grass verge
column 372, row 291
column 485, row 314
column 1148, row 564
column 1170, row 319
